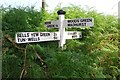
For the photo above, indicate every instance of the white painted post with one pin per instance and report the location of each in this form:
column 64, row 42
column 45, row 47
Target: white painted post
column 61, row 14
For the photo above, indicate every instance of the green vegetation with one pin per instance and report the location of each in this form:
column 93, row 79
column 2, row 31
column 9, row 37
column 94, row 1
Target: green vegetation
column 94, row 56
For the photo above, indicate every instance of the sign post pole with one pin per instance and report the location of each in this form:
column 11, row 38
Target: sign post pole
column 61, row 14
column 43, row 4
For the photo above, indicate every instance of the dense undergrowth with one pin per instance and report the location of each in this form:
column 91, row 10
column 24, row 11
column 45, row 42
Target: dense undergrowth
column 94, row 56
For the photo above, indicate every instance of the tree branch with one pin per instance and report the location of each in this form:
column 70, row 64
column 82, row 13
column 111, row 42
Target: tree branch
column 24, row 71
column 12, row 41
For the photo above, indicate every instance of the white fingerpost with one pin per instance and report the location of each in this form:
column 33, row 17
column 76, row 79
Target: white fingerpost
column 62, row 23
column 61, row 14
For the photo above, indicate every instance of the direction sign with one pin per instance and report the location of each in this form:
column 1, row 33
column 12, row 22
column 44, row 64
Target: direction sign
column 62, row 23
column 73, row 34
column 79, row 22
column 28, row 37
column 52, row 24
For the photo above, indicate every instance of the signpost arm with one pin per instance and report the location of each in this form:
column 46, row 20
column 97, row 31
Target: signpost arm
column 61, row 14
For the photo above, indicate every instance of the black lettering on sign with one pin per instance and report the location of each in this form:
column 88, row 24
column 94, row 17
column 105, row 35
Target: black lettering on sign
column 70, row 24
column 35, row 34
column 77, row 24
column 73, row 21
column 89, row 20
column 48, row 22
column 23, row 35
column 34, row 39
column 55, row 36
column 38, row 38
column 48, row 26
column 18, row 35
column 79, row 20
column 74, row 33
column 68, row 21
column 51, row 25
column 69, row 33
column 85, row 20
column 80, row 36
column 30, row 39
column 44, row 34
column 83, row 24
column 56, row 25
column 21, row 39
column 74, row 36
column 82, row 20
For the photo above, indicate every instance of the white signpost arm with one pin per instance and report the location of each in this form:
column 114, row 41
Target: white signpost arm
column 61, row 14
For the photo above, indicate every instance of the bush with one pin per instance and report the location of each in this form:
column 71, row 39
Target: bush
column 94, row 56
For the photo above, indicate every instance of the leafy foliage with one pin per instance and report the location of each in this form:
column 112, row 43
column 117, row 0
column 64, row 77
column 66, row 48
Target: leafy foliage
column 94, row 56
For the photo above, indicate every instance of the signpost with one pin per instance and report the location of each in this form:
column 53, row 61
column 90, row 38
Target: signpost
column 52, row 24
column 28, row 37
column 83, row 22
column 79, row 22
column 61, row 35
column 73, row 35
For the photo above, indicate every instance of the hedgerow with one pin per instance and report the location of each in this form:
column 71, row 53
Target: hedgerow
column 94, row 56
